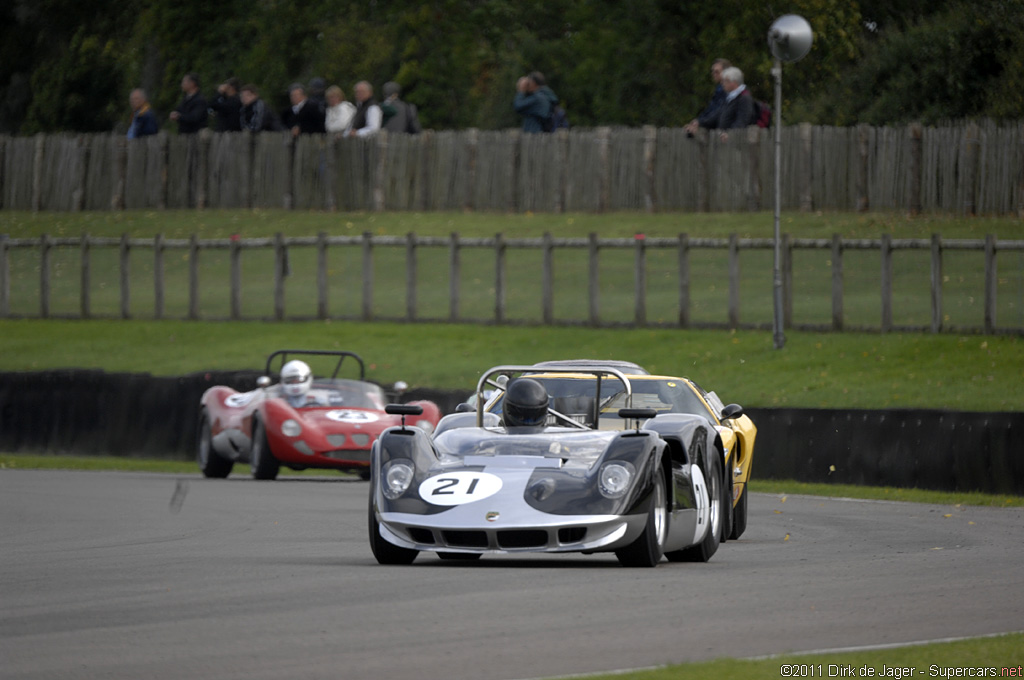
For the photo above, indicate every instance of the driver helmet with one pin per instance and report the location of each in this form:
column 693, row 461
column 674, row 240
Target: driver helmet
column 296, row 378
column 526, row 404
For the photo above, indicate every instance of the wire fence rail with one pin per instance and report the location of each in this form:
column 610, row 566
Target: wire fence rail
column 917, row 285
column 966, row 168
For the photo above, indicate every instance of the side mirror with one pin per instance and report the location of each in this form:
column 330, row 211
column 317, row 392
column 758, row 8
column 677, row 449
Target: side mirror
column 263, row 381
column 732, row 411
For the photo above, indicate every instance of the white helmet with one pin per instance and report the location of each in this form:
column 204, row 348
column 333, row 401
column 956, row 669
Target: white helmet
column 296, row 378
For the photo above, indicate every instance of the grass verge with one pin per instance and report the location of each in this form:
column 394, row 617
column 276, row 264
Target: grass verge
column 24, row 461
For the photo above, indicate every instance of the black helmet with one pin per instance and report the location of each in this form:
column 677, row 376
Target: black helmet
column 526, row 404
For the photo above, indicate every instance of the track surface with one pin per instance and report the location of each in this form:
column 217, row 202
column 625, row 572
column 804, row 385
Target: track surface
column 142, row 576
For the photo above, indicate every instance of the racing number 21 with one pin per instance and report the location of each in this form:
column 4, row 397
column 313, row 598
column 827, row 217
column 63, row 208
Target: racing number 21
column 457, row 488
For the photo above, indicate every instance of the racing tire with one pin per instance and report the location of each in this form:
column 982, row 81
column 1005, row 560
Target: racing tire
column 459, row 557
column 211, row 464
column 364, row 475
column 739, row 516
column 385, row 552
column 719, row 503
column 646, row 550
column 262, row 461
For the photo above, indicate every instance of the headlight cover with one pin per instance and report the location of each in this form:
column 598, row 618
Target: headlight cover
column 614, row 478
column 397, row 477
column 291, row 428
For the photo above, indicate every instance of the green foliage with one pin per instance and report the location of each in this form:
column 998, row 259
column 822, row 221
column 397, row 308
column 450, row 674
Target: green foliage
column 68, row 65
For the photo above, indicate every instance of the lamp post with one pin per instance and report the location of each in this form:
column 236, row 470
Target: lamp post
column 790, row 38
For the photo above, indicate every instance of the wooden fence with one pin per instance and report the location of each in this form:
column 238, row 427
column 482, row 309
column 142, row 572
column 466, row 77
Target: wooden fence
column 595, row 282
column 964, row 169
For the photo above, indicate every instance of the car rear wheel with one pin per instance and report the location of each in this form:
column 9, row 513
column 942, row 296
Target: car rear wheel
column 739, row 517
column 718, row 503
column 646, row 550
column 264, row 465
column 211, row 464
column 385, row 552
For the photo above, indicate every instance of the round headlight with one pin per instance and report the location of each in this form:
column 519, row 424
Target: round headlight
column 425, row 425
column 398, row 475
column 614, row 479
column 291, row 428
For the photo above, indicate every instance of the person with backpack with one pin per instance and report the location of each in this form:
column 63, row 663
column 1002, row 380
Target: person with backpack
column 738, row 109
column 533, row 104
column 557, row 118
column 399, row 116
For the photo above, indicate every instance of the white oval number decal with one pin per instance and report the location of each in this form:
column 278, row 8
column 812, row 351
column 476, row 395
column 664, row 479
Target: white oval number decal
column 349, row 416
column 457, row 488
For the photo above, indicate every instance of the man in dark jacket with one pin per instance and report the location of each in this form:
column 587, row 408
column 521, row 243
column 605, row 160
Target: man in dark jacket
column 738, row 109
column 143, row 121
column 533, row 104
column 227, row 106
column 192, row 112
column 255, row 115
column 708, row 118
column 303, row 117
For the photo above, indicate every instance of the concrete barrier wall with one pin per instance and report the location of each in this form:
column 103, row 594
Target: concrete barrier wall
column 122, row 414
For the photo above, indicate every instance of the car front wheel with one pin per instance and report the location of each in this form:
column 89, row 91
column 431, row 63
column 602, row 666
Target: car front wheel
column 646, row 550
column 264, row 465
column 211, row 464
column 718, row 502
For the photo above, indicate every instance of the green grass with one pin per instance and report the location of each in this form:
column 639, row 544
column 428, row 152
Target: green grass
column 817, row 370
column 989, row 652
column 28, row 461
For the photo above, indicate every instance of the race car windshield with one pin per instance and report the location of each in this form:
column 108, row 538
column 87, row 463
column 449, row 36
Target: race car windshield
column 579, row 445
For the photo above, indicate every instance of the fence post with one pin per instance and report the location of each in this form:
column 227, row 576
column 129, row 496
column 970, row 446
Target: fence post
column 734, row 281
column 604, row 182
column 124, row 251
column 158, row 276
column 754, row 172
column 120, row 151
column 380, row 170
column 203, row 171
column 44, row 276
column 5, row 277
column 684, row 281
column 81, row 182
column 970, row 168
column 936, row 283
column 806, row 132
column 410, row 276
column 85, row 276
column 328, row 152
column 593, row 280
column 990, row 283
column 787, row 282
column 704, row 172
column 193, row 277
column 650, row 158
column 517, row 162
column 367, row 314
column 916, row 156
column 37, row 172
column 424, row 176
column 321, row 274
column 640, row 279
column 548, row 293
column 280, row 271
column 235, row 255
column 562, row 139
column 472, row 160
column 454, row 275
column 499, row 278
column 886, row 250
column 863, row 137
column 837, row 283
column 165, row 151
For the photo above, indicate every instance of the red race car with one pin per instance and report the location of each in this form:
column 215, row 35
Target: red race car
column 301, row 422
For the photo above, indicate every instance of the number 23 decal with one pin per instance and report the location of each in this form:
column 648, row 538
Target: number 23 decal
column 458, row 488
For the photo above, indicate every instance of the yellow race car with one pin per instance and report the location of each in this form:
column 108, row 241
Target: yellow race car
column 594, row 401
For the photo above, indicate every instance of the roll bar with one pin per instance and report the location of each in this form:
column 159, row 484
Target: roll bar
column 284, row 354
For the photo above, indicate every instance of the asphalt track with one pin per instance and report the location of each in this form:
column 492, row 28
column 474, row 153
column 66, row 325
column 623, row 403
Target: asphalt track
column 144, row 576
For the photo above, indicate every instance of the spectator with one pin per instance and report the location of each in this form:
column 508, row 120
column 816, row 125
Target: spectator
column 192, row 113
column 255, row 115
column 398, row 115
column 738, row 109
column 708, row 118
column 532, row 104
column 542, row 88
column 228, row 106
column 368, row 114
column 303, row 117
column 143, row 119
column 339, row 112
column 317, row 94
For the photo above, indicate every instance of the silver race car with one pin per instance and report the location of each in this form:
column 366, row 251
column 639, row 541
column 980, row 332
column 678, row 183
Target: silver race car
column 537, row 477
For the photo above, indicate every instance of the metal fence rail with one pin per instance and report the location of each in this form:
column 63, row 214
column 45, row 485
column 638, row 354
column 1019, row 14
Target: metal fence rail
column 416, row 267
column 967, row 168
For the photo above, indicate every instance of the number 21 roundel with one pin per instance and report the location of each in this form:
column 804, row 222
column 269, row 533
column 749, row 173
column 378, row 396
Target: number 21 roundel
column 458, row 488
